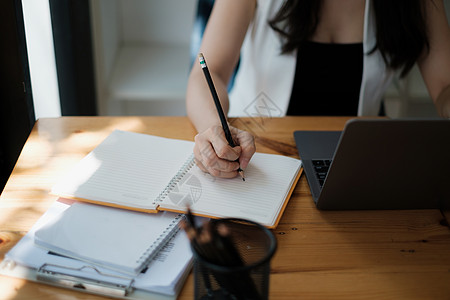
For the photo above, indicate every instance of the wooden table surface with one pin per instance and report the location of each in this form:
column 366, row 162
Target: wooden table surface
column 402, row 254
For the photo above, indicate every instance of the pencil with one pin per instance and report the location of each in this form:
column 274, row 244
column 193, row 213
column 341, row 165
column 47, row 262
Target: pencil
column 215, row 97
column 190, row 219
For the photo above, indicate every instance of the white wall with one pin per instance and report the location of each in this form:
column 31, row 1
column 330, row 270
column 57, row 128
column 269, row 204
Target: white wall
column 167, row 22
column 105, row 24
column 41, row 58
column 132, row 39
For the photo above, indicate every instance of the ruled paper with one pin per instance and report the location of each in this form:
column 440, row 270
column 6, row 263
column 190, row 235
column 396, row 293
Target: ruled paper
column 259, row 198
column 131, row 170
column 126, row 169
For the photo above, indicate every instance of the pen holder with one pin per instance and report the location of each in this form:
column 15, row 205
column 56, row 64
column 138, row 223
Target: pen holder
column 240, row 268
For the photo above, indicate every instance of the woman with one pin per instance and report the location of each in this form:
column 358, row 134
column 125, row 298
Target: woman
column 310, row 57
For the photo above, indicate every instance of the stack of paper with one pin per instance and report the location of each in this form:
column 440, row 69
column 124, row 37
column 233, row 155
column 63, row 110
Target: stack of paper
column 124, row 241
column 162, row 277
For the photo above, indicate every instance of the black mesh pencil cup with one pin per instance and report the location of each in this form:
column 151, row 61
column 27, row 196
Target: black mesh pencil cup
column 232, row 261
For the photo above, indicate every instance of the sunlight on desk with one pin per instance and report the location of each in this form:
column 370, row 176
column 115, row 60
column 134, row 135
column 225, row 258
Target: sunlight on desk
column 402, row 254
column 5, row 286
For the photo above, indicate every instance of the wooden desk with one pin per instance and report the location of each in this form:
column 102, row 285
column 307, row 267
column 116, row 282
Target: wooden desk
column 321, row 255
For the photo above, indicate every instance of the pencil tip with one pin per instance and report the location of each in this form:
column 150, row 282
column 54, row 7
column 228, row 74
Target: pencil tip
column 200, row 55
column 241, row 173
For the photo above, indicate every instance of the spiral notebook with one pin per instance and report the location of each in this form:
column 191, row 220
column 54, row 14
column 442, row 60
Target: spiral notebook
column 121, row 240
column 149, row 173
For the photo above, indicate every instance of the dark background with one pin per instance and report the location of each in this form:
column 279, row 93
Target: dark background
column 74, row 63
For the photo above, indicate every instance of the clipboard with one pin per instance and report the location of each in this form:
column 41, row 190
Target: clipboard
column 85, row 285
column 162, row 279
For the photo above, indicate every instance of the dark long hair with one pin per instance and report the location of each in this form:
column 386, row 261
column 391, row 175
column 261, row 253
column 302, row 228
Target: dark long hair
column 401, row 29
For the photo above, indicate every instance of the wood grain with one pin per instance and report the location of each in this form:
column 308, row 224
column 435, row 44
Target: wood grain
column 321, row 254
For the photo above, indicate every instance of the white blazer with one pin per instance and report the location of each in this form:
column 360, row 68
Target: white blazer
column 263, row 84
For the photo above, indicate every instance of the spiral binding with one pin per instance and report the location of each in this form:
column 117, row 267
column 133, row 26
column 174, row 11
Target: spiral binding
column 175, row 179
column 160, row 242
column 172, row 229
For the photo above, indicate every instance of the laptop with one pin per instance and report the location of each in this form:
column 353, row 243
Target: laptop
column 378, row 164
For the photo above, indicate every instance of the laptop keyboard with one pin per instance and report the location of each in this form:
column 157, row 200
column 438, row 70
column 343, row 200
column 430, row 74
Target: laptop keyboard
column 321, row 167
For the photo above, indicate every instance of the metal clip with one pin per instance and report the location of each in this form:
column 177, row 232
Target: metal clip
column 53, row 277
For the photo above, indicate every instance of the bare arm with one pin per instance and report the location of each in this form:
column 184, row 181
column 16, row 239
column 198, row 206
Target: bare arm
column 435, row 66
column 221, row 45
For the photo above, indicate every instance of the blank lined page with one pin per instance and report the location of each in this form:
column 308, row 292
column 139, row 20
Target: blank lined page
column 259, row 198
column 127, row 169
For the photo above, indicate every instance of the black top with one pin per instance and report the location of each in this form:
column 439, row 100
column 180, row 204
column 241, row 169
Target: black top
column 327, row 80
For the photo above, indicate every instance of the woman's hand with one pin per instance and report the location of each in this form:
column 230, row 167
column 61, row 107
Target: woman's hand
column 215, row 156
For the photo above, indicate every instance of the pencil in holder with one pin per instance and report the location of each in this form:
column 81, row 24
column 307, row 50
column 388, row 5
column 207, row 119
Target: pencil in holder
column 235, row 262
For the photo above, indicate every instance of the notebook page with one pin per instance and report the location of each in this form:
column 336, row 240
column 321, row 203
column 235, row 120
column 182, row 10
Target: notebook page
column 127, row 169
column 259, row 198
column 117, row 239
